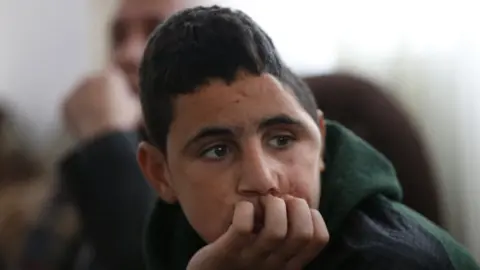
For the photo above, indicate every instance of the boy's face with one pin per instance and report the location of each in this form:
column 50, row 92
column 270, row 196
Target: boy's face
column 229, row 143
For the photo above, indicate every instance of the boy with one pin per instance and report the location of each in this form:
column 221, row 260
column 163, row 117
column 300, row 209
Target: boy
column 244, row 164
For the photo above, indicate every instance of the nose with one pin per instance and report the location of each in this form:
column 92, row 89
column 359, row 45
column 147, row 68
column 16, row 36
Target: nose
column 258, row 173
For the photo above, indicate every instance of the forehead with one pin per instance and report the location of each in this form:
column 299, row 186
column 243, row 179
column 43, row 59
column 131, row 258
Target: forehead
column 139, row 9
column 244, row 102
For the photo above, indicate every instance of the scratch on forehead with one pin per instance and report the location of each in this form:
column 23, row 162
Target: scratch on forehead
column 264, row 82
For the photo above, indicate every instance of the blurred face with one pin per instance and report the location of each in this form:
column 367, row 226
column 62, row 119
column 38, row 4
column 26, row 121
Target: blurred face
column 131, row 27
column 229, row 143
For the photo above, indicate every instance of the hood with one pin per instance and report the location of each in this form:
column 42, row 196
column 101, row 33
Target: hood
column 354, row 171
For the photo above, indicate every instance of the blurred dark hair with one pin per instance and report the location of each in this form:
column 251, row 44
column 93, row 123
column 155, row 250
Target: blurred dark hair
column 16, row 162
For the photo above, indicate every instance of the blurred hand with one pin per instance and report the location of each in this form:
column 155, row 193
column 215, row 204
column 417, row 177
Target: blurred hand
column 101, row 104
column 292, row 235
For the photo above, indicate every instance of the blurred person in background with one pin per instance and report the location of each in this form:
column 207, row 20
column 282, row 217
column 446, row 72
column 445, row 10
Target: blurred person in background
column 100, row 175
column 25, row 188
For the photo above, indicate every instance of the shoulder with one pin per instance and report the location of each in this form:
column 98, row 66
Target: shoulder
column 386, row 233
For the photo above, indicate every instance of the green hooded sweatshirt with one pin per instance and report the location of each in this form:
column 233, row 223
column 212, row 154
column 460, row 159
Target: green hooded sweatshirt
column 361, row 203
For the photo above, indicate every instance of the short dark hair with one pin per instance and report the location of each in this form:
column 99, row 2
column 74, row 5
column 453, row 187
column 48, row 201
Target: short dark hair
column 199, row 44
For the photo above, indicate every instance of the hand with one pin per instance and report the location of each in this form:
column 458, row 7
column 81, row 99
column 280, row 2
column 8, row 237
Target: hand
column 292, row 236
column 101, row 104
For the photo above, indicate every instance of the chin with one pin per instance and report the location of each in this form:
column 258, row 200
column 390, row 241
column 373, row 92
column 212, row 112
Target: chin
column 210, row 237
column 210, row 231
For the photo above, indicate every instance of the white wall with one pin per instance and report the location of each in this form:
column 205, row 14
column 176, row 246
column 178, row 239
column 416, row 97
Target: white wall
column 469, row 106
column 100, row 12
column 43, row 50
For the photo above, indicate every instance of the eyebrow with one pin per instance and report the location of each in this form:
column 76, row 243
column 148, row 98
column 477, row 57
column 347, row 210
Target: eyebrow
column 277, row 120
column 206, row 132
column 224, row 131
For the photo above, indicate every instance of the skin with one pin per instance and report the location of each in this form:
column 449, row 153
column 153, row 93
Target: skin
column 107, row 101
column 244, row 157
column 131, row 27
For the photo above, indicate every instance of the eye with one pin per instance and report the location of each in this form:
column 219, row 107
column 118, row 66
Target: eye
column 119, row 33
column 281, row 141
column 150, row 25
column 216, row 152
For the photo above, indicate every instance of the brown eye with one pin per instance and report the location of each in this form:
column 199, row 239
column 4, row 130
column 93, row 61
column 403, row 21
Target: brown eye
column 150, row 25
column 119, row 33
column 216, row 152
column 281, row 141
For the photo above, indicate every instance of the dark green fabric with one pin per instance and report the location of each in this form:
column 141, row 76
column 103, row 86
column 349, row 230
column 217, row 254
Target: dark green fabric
column 375, row 236
column 354, row 172
column 458, row 255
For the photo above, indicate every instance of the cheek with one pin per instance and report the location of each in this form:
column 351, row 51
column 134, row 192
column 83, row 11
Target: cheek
column 304, row 178
column 305, row 185
column 207, row 198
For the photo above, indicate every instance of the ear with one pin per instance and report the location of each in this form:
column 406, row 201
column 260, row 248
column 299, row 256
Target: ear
column 153, row 164
column 323, row 132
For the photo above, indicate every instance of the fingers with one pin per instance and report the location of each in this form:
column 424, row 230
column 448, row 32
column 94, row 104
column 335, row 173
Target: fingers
column 228, row 247
column 275, row 227
column 239, row 234
column 243, row 218
column 318, row 241
column 300, row 228
column 292, row 234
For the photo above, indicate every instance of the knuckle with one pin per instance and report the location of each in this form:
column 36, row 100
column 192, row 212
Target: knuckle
column 297, row 201
column 274, row 238
column 274, row 202
column 269, row 242
column 240, row 230
column 304, row 236
column 276, row 199
column 296, row 204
